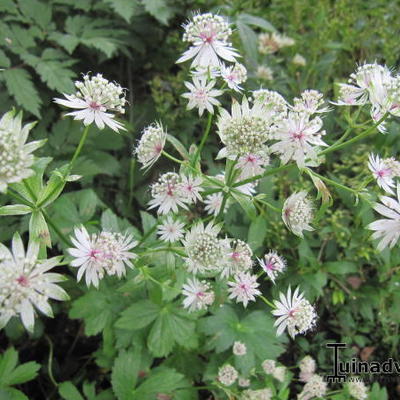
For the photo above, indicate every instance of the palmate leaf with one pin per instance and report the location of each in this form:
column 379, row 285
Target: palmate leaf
column 19, row 84
column 159, row 9
column 124, row 8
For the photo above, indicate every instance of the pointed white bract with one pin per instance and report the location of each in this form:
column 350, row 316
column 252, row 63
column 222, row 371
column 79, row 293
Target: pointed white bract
column 273, row 264
column 234, row 75
column 16, row 158
column 244, row 288
column 99, row 254
column 387, row 230
column 294, row 313
column 170, row 230
column 151, row 145
column 191, row 187
column 384, row 171
column 26, row 284
column 209, row 37
column 202, row 95
column 198, row 295
column 97, row 100
column 213, row 203
column 297, row 213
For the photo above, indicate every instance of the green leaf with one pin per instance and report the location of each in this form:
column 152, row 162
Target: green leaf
column 37, row 11
column 138, row 315
column 256, row 21
column 15, row 209
column 341, row 267
column 23, row 373
column 11, row 394
column 161, row 339
column 124, row 8
column 69, row 392
column 19, row 84
column 4, row 60
column 8, row 361
column 159, row 9
column 257, row 232
column 109, row 221
column 38, row 229
column 246, row 203
column 124, row 373
column 249, row 40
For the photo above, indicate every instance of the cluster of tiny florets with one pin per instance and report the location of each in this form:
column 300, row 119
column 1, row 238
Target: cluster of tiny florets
column 259, row 394
column 357, row 388
column 297, row 213
column 272, row 42
column 227, row 375
column 315, row 387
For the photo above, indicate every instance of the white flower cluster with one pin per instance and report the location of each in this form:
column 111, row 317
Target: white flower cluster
column 315, row 387
column 372, row 84
column 227, row 375
column 258, row 394
column 25, row 283
column 16, row 157
column 272, row 42
column 307, row 368
column 357, row 388
column 99, row 254
column 297, row 213
column 97, row 100
column 239, row 349
column 273, row 264
column 384, row 171
column 277, row 371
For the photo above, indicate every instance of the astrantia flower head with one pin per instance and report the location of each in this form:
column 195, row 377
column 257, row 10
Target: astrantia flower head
column 168, row 194
column 244, row 288
column 25, row 283
column 298, row 135
column 151, row 145
column 203, row 248
column 279, row 373
column 170, row 230
column 237, row 257
column 294, row 313
column 253, row 164
column 299, row 60
column 97, row 100
column 259, row 394
column 16, row 157
column 209, row 36
column 191, row 187
column 201, row 95
column 387, row 229
column 268, row 366
column 99, row 254
column 271, row 42
column 245, row 130
column 310, row 102
column 297, row 213
column 234, row 75
column 265, row 73
column 227, row 375
column 239, row 349
column 198, row 295
column 271, row 101
column 244, row 382
column 315, row 387
column 307, row 368
column 273, row 264
column 384, row 170
column 357, row 388
column 213, row 203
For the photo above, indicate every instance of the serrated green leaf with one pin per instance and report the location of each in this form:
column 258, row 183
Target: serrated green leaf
column 138, row 315
column 68, row 391
column 23, row 373
column 19, row 84
column 109, row 221
column 124, row 8
column 37, row 11
column 159, row 9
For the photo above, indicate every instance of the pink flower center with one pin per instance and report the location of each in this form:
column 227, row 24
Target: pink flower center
column 158, row 148
column 201, row 94
column 93, row 253
column 383, row 172
column 270, row 266
column 235, row 255
column 298, row 135
column 200, row 294
column 94, row 106
column 208, row 37
column 23, row 281
column 292, row 312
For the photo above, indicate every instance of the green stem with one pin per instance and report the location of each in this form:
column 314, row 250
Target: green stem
column 266, row 173
column 267, row 301
column 50, row 363
column 203, row 139
column 334, row 183
column 172, row 157
column 11, row 192
column 78, row 149
column 131, row 177
column 56, row 230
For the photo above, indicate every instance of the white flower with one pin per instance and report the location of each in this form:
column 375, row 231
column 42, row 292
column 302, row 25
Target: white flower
column 234, row 75
column 25, row 283
column 203, row 248
column 97, row 100
column 297, row 136
column 307, row 368
column 384, row 170
column 244, row 382
column 245, row 130
column 209, row 35
column 271, row 101
column 253, row 164
column 210, row 72
column 388, row 229
column 99, row 254
column 271, row 42
column 265, row 73
column 268, row 366
column 279, row 373
column 198, row 295
column 310, row 102
column 244, row 288
column 237, row 257
column 259, row 394
column 202, row 95
column 239, row 349
column 273, row 264
column 15, row 155
column 357, row 388
column 151, row 144
column 213, row 203
column 227, row 375
column 297, row 213
column 191, row 187
column 294, row 313
column 170, row 230
column 168, row 194
column 315, row 387
column 298, row 59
